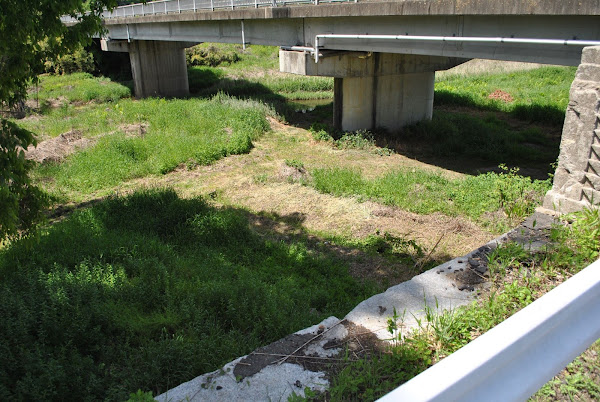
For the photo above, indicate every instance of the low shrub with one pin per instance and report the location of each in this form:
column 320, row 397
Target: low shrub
column 80, row 61
column 211, row 55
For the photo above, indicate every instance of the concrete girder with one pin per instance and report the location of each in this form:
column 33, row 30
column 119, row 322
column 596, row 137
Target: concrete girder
column 281, row 29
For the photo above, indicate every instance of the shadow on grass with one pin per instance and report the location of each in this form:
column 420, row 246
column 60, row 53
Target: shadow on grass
column 472, row 142
column 150, row 290
column 207, row 82
column 544, row 114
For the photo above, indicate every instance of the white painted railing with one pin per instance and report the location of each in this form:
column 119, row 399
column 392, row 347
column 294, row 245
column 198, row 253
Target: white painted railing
column 179, row 6
column 517, row 357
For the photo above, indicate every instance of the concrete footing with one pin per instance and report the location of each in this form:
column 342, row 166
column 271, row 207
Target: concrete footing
column 577, row 178
column 374, row 89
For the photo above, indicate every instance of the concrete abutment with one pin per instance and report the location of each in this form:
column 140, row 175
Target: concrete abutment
column 374, row 90
column 577, row 179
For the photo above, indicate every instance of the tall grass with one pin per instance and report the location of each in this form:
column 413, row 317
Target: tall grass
column 82, row 87
column 191, row 132
column 148, row 291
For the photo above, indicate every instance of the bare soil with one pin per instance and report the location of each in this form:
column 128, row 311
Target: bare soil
column 58, row 148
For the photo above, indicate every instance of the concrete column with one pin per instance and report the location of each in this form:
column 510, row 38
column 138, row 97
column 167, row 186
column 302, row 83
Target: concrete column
column 374, row 90
column 389, row 101
column 577, row 178
column 159, row 68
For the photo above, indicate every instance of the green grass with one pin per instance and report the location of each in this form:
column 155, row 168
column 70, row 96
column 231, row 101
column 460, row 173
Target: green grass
column 426, row 192
column 515, row 284
column 191, row 132
column 148, row 291
column 79, row 87
column 488, row 138
column 250, row 76
column 255, row 57
column 541, row 95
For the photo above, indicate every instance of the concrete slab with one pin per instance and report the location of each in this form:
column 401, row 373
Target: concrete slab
column 436, row 289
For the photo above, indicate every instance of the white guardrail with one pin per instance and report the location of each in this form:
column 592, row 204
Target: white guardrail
column 513, row 360
column 179, row 6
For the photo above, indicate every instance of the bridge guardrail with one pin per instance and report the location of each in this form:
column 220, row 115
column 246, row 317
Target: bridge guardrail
column 179, row 6
column 513, row 360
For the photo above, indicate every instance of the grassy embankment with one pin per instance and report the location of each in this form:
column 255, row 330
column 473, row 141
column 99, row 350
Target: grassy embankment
column 127, row 294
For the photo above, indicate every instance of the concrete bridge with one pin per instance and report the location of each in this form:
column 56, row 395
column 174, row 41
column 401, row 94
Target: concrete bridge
column 383, row 56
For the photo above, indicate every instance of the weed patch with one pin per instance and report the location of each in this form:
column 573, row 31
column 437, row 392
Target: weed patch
column 190, row 132
column 360, row 139
column 425, row 192
column 148, row 291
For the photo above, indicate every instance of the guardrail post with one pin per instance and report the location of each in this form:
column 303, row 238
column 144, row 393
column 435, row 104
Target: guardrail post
column 232, row 6
column 255, row 3
column 178, row 7
column 194, row 5
column 132, row 11
column 274, row 4
column 153, row 12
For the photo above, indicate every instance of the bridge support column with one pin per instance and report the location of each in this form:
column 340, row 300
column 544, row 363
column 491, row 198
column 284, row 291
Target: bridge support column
column 159, row 68
column 577, row 178
column 374, row 90
column 389, row 101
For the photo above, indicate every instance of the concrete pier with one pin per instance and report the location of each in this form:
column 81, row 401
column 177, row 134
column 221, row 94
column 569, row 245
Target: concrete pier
column 374, row 90
column 159, row 68
column 577, row 178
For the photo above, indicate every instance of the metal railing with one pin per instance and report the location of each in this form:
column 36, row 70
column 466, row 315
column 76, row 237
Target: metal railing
column 514, row 359
column 180, row 6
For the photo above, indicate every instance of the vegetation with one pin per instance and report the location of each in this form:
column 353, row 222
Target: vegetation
column 248, row 73
column 514, row 286
column 488, row 138
column 76, row 88
column 35, row 31
column 149, row 290
column 539, row 95
column 152, row 137
column 80, row 60
column 425, row 192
